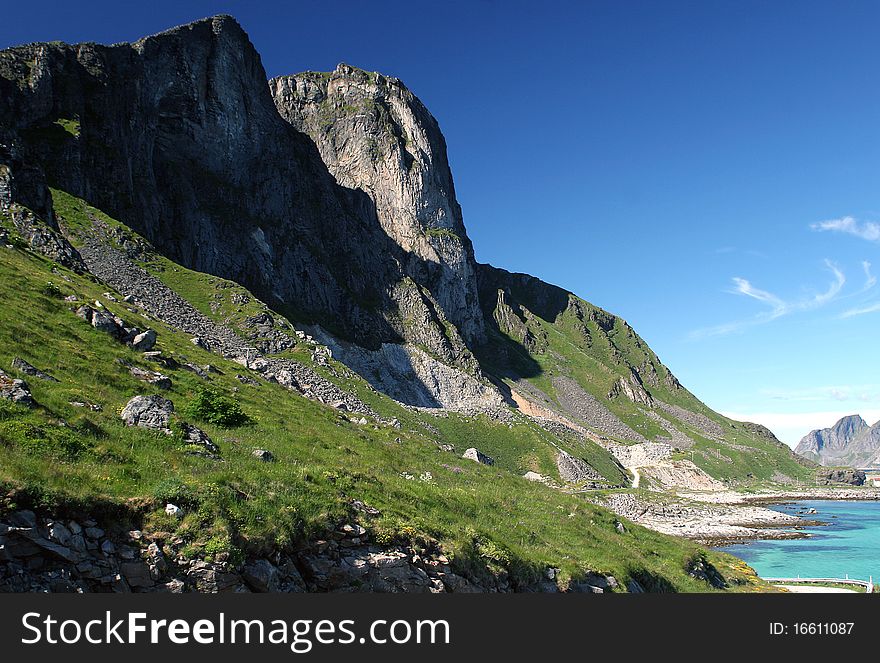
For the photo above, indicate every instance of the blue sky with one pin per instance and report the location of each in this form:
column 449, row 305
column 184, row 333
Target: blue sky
column 707, row 170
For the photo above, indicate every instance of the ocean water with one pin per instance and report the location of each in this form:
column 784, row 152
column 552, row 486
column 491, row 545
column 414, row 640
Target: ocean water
column 848, row 544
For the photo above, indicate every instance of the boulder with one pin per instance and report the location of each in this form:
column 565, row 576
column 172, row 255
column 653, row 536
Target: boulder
column 151, row 377
column 174, row 510
column 841, row 475
column 103, row 321
column 264, row 455
column 15, row 390
column 261, row 576
column 199, row 438
column 148, row 412
column 144, row 341
column 21, row 365
column 478, row 457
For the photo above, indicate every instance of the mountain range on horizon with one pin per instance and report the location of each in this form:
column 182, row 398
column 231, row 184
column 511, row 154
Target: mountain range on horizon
column 850, row 441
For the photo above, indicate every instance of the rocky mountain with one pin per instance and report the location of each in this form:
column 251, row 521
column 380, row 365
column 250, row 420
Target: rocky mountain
column 851, row 441
column 179, row 230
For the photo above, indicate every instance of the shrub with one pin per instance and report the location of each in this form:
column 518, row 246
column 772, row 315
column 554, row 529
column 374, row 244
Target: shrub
column 210, row 405
column 52, row 290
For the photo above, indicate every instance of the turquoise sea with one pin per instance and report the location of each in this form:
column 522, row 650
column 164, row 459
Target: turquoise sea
column 848, row 544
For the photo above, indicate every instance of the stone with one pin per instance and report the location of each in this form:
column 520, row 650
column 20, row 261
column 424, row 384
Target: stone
column 60, row 534
column 477, row 456
column 24, row 518
column 94, row 533
column 197, row 437
column 103, row 321
column 136, row 574
column 263, row 455
column 24, row 367
column 145, row 341
column 261, row 576
column 148, row 412
column 174, row 510
column 15, row 390
column 154, row 378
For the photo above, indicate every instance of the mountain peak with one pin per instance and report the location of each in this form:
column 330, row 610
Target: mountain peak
column 845, row 443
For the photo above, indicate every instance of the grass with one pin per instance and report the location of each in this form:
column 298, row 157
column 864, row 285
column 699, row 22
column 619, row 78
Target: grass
column 58, row 456
column 596, row 349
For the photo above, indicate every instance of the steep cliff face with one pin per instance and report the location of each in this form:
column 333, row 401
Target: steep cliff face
column 330, row 197
column 177, row 136
column 376, row 136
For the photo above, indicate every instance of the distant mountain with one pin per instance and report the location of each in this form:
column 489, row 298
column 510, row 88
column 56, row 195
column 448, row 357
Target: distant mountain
column 851, row 441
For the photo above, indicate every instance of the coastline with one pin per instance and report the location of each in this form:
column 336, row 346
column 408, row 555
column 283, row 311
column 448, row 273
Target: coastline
column 728, row 517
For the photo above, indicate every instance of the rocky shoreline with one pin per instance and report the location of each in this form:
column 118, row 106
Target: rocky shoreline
column 719, row 518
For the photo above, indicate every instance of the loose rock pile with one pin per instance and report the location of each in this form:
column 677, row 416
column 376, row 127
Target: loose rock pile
column 159, row 300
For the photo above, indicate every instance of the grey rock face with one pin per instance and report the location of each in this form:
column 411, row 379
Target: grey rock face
column 148, row 412
column 208, row 171
column 376, row 136
column 849, row 442
column 845, row 475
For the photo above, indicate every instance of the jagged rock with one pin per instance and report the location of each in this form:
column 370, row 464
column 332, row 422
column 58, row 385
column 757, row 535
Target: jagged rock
column 103, row 321
column 263, row 455
column 593, row 583
column 151, row 377
column 841, row 475
column 633, row 389
column 197, row 437
column 212, row 579
column 15, row 390
column 24, row 367
column 148, row 412
column 476, row 456
column 174, row 510
column 144, row 341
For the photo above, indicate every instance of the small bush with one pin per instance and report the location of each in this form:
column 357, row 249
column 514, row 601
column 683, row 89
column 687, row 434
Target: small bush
column 52, row 290
column 212, row 406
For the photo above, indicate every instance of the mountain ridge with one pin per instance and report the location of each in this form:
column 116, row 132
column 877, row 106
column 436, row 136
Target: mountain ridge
column 307, row 228
column 850, row 441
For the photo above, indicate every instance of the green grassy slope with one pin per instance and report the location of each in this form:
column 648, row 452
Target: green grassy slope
column 547, row 333
column 58, row 455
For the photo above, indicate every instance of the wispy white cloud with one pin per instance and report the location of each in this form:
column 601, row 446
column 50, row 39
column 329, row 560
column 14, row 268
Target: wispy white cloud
column 867, row 230
column 863, row 310
column 778, row 306
column 841, row 393
column 870, row 279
